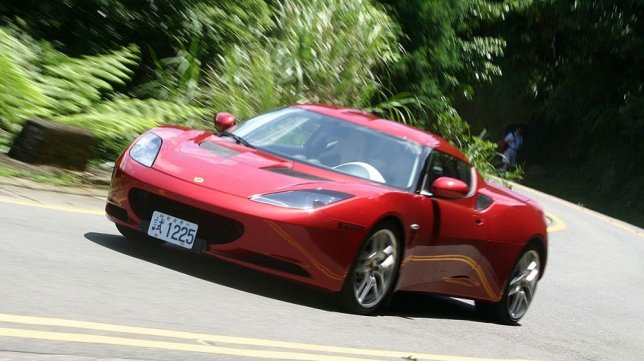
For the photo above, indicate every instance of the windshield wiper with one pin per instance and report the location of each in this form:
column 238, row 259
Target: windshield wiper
column 237, row 138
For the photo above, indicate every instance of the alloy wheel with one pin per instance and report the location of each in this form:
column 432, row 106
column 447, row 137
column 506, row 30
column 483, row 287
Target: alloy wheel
column 376, row 268
column 523, row 285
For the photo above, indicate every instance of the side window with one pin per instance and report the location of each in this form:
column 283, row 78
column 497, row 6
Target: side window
column 464, row 172
column 445, row 165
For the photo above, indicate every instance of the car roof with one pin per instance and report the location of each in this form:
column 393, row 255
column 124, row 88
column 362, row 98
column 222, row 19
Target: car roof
column 386, row 126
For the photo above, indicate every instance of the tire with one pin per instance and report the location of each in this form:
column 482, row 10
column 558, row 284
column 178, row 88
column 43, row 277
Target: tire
column 519, row 290
column 373, row 275
column 137, row 236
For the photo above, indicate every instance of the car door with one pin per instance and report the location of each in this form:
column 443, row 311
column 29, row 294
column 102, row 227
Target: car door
column 446, row 258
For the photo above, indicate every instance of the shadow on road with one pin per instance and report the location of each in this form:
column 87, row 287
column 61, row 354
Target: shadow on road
column 214, row 270
column 408, row 305
column 416, row 305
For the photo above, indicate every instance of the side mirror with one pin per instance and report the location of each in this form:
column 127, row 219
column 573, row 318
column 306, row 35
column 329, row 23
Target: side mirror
column 224, row 121
column 450, row 188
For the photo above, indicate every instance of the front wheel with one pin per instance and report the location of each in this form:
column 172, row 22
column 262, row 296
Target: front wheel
column 519, row 291
column 374, row 272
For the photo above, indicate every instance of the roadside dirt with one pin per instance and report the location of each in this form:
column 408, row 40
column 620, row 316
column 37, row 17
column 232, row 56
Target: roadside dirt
column 92, row 176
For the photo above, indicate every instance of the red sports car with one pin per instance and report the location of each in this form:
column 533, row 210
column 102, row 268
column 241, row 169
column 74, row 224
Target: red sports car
column 337, row 199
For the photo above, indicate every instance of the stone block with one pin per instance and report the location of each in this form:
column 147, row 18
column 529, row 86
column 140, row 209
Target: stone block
column 46, row 142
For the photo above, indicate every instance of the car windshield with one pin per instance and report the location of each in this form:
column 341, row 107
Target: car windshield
column 331, row 143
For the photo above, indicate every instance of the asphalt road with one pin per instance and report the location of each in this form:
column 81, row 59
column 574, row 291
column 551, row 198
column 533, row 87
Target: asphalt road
column 71, row 288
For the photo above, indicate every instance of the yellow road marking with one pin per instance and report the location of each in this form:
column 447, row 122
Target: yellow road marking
column 52, row 207
column 558, row 224
column 165, row 345
column 74, row 337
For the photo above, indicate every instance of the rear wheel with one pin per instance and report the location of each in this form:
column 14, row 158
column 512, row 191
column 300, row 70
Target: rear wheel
column 519, row 291
column 374, row 272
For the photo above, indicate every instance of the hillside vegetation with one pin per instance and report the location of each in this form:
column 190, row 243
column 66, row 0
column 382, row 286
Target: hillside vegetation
column 569, row 71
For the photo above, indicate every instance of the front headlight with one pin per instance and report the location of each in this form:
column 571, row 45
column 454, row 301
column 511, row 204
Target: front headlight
column 146, row 149
column 301, row 199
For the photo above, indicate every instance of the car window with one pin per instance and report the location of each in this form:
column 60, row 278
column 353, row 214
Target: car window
column 283, row 127
column 445, row 165
column 335, row 144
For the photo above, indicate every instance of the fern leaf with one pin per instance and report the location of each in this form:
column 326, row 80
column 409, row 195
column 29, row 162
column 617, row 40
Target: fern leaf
column 76, row 83
column 20, row 96
column 118, row 122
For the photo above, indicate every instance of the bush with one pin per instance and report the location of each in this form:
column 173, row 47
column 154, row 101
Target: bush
column 482, row 153
column 320, row 51
column 38, row 81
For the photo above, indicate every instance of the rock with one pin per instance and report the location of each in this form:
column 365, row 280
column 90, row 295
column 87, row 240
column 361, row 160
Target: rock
column 46, row 142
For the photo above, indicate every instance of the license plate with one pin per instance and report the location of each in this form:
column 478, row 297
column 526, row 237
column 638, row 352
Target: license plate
column 173, row 230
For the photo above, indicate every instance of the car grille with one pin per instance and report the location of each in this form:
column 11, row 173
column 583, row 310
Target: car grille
column 214, row 228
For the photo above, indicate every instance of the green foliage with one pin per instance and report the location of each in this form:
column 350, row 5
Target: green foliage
column 177, row 77
column 445, row 56
column 20, row 94
column 246, row 83
column 75, row 91
column 577, row 63
column 222, row 23
column 330, row 48
column 581, row 65
column 75, row 84
column 402, row 108
column 8, row 172
column 319, row 51
column 41, row 82
column 590, row 48
column 482, row 153
column 6, row 138
column 117, row 122
column 486, row 10
column 209, row 29
column 57, row 177
column 91, row 26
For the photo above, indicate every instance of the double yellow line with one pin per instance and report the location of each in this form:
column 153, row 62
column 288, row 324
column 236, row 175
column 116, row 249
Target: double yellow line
column 200, row 342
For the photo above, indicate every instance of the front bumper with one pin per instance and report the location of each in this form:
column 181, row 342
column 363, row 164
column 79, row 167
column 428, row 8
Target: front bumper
column 306, row 246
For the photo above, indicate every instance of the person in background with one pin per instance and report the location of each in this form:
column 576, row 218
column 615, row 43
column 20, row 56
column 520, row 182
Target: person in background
column 513, row 141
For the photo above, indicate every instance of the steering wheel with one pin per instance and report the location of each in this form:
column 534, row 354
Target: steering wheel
column 362, row 170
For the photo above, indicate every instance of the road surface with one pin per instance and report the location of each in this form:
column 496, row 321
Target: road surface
column 71, row 288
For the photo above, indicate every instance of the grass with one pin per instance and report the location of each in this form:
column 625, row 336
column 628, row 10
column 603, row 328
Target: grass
column 59, row 178
column 8, row 172
column 63, row 179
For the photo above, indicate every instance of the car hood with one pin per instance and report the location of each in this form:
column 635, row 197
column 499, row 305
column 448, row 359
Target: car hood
column 224, row 166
